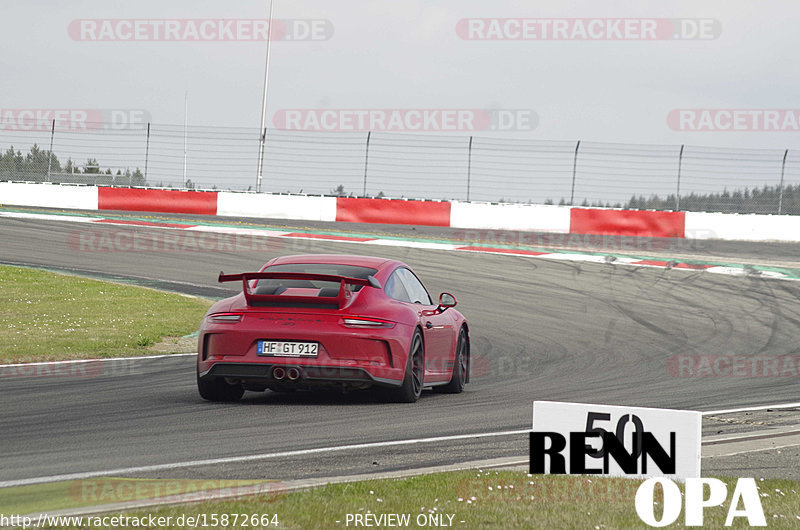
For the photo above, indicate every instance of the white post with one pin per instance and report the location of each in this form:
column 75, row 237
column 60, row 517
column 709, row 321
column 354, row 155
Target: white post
column 50, row 154
column 264, row 105
column 185, row 126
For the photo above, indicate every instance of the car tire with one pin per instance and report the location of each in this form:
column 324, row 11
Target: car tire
column 219, row 390
column 460, row 366
column 413, row 381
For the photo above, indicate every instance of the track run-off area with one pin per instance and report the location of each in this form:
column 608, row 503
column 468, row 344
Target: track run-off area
column 590, row 330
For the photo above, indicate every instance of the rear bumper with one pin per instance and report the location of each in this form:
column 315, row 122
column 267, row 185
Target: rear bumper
column 262, row 373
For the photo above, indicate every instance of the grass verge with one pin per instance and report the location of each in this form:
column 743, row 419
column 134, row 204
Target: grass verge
column 474, row 499
column 47, row 316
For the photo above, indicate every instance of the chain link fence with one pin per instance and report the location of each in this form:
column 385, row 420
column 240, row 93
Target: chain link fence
column 420, row 166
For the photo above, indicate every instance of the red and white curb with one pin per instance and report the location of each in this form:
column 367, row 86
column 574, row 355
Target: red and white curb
column 587, row 257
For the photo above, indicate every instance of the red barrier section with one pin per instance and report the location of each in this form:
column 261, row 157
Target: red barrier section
column 627, row 223
column 167, row 201
column 394, row 212
column 656, row 263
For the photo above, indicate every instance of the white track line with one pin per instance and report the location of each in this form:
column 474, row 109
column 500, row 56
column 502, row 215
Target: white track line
column 46, row 217
column 233, row 230
column 753, row 450
column 413, row 244
column 249, row 458
column 748, row 409
column 104, row 360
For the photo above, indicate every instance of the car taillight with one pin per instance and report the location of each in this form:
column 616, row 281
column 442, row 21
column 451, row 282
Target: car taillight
column 225, row 317
column 366, row 322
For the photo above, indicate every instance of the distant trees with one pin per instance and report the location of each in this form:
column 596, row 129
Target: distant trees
column 34, row 165
column 137, row 178
column 92, row 167
column 37, row 164
column 763, row 200
column 748, row 200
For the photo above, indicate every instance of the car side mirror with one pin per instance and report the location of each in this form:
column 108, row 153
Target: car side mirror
column 446, row 300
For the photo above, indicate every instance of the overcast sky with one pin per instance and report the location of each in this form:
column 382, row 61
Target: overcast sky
column 407, row 54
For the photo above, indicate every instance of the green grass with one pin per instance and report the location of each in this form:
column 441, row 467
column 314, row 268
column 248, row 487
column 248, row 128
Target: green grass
column 475, row 499
column 47, row 316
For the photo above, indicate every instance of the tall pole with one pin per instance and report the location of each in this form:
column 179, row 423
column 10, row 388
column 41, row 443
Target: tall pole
column 469, row 167
column 678, row 191
column 574, row 171
column 366, row 163
column 50, row 154
column 264, row 105
column 185, row 126
column 147, row 152
column 780, row 193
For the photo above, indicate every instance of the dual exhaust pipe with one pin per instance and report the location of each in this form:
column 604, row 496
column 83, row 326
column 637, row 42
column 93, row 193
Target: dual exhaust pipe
column 279, row 373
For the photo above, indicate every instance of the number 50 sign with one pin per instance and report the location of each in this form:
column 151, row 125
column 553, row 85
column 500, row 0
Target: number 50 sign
column 574, row 438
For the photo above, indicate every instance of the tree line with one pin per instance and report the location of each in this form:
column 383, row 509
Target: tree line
column 766, row 200
column 38, row 163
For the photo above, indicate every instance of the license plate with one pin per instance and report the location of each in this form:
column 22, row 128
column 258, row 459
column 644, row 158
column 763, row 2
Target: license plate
column 287, row 349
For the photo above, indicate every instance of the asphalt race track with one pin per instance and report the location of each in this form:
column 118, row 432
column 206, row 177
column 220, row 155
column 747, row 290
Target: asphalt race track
column 540, row 329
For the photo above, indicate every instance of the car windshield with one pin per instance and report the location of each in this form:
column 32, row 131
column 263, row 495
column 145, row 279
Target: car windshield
column 277, row 286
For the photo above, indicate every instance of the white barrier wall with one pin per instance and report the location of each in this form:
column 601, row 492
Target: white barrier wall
column 533, row 217
column 742, row 227
column 48, row 195
column 276, row 206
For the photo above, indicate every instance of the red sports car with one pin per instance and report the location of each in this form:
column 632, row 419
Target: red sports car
column 348, row 322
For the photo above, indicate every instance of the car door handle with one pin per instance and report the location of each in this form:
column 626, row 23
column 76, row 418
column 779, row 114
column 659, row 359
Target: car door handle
column 428, row 325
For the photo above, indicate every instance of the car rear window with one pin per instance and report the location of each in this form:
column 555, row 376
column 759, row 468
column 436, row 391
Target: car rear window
column 350, row 271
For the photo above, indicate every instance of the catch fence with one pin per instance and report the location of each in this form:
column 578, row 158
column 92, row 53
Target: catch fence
column 420, row 166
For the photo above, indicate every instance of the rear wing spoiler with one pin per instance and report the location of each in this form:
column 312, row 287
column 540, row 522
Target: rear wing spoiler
column 340, row 299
